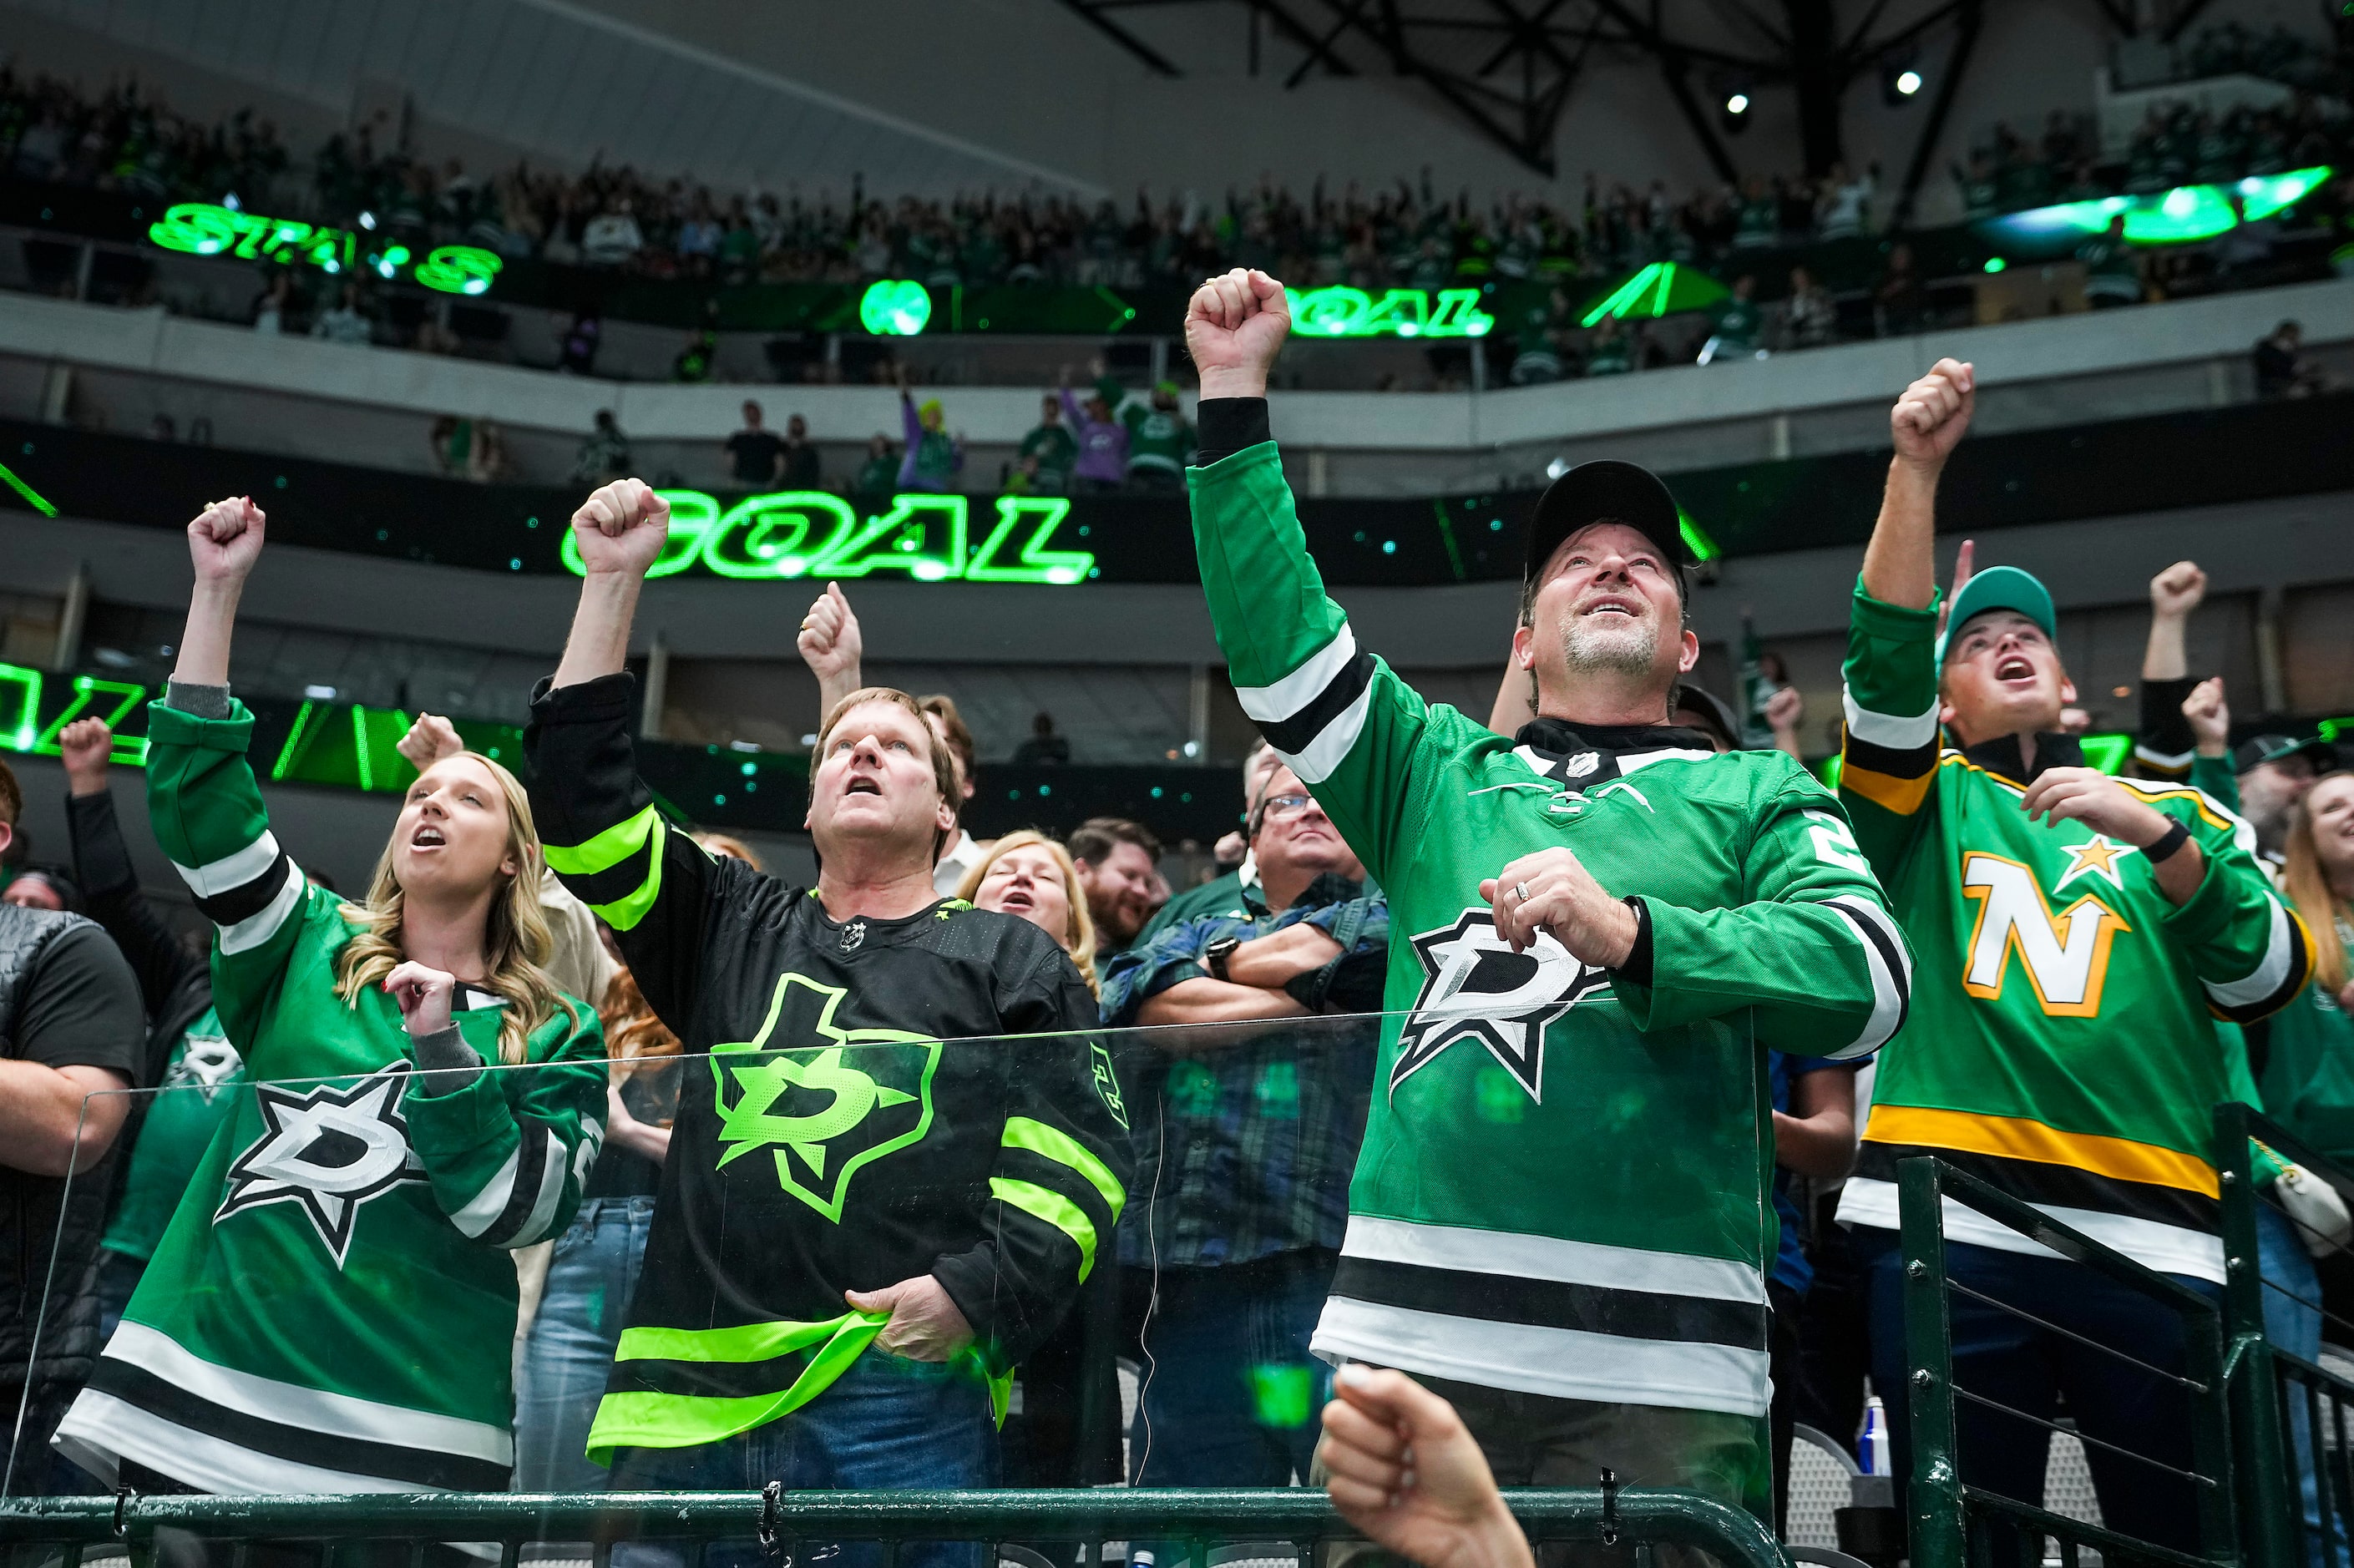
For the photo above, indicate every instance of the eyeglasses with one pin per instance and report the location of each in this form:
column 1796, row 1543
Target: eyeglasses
column 1281, row 807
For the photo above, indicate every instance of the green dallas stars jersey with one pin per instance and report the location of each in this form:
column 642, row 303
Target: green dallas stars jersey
column 331, row 1308
column 2062, row 1045
column 1561, row 1188
column 851, row 1116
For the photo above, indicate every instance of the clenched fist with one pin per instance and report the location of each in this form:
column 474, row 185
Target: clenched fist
column 1234, row 329
column 86, row 745
column 621, row 528
column 2178, row 590
column 225, row 539
column 830, row 642
column 1931, row 416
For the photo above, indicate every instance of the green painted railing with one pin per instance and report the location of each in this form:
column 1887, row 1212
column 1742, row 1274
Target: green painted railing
column 2270, row 1388
column 1955, row 1525
column 1301, row 1517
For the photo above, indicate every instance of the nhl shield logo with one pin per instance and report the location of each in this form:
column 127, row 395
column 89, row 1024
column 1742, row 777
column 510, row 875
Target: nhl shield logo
column 823, row 1100
column 1476, row 988
column 1581, row 766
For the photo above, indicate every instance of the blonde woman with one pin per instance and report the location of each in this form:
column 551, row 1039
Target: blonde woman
column 2309, row 1066
column 331, row 1308
column 1030, row 876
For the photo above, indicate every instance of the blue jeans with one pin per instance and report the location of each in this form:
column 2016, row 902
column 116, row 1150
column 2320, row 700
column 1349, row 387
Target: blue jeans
column 885, row 1425
column 1231, row 1395
column 2006, row 1359
column 569, row 1349
column 2294, row 1327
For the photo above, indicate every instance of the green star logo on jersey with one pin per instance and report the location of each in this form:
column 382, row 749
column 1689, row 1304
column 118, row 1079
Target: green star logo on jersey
column 827, row 1109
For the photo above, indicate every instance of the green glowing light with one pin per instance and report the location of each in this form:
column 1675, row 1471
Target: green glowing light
column 2185, row 213
column 88, row 690
column 1659, row 288
column 2106, row 752
column 796, row 533
column 27, row 684
column 1996, row 264
column 2260, row 195
column 288, row 754
column 202, row 229
column 1283, row 1396
column 895, row 307
column 33, row 498
column 1342, row 312
column 1702, row 546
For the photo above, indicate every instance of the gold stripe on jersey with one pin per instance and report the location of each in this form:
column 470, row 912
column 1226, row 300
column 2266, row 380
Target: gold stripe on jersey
column 2019, row 1138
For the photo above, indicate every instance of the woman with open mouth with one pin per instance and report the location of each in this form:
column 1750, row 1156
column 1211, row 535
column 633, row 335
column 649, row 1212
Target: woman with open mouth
column 422, row 1098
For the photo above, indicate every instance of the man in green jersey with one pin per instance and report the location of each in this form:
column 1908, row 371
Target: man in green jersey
column 2077, row 936
column 1559, row 1217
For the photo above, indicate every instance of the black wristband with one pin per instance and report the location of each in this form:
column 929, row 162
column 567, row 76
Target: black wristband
column 2173, row 838
column 1637, row 970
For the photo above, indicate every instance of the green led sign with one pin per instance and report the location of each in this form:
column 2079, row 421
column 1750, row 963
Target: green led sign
column 25, row 693
column 201, row 229
column 2182, row 215
column 895, row 307
column 1400, row 312
column 813, row 533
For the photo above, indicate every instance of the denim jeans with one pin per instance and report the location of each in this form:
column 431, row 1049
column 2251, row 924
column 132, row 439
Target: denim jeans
column 2293, row 1326
column 1231, row 1395
column 2004, row 1358
column 569, row 1350
column 885, row 1425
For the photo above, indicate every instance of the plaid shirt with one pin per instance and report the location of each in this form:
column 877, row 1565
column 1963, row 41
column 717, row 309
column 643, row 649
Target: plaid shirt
column 1246, row 1149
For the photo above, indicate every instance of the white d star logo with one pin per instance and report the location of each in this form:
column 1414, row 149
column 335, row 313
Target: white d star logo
column 1477, row 988
column 329, row 1150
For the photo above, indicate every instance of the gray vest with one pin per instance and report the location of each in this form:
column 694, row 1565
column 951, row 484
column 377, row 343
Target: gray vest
column 35, row 1209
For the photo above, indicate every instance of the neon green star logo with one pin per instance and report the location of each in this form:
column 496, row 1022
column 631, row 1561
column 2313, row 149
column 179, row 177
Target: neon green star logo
column 808, row 1104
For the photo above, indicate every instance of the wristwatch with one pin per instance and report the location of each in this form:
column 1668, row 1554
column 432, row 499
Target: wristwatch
column 1215, row 956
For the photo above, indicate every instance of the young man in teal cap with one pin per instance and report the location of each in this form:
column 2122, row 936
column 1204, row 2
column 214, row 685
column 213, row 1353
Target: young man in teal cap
column 2075, row 937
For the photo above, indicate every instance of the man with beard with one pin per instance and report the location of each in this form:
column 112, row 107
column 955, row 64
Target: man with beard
column 1559, row 1220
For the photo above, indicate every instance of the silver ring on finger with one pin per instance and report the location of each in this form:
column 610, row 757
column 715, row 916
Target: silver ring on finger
column 1521, row 891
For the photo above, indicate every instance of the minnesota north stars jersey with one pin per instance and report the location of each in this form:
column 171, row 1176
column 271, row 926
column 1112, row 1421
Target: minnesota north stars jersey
column 331, row 1308
column 1561, row 1188
column 851, row 1116
column 2062, row 1045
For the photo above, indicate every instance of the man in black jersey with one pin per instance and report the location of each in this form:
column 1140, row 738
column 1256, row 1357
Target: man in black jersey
column 875, row 1205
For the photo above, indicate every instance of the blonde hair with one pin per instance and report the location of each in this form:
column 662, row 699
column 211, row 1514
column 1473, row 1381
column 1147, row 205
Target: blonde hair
column 1079, row 929
column 2307, row 887
column 515, row 939
column 731, row 847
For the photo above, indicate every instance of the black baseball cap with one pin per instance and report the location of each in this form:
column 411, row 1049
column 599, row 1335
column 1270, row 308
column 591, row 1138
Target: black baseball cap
column 1606, row 491
column 1714, row 709
column 2260, row 750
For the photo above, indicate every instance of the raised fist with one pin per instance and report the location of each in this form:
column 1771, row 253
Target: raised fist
column 830, row 642
column 1931, row 416
column 224, row 540
column 428, row 740
column 1234, row 329
column 86, row 745
column 2178, row 590
column 621, row 528
column 2210, row 717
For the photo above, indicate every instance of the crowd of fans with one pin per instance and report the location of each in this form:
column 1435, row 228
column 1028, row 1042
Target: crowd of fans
column 1407, row 233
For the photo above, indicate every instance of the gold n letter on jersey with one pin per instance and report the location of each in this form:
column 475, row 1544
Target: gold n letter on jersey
column 2066, row 955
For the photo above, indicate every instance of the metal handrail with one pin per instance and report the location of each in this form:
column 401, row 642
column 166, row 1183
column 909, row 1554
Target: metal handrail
column 1736, row 1538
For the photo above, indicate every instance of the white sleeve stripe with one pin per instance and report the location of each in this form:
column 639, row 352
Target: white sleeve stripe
column 1316, row 762
column 1896, row 732
column 230, row 871
column 2142, row 753
column 2280, row 952
column 553, row 1171
column 1273, row 703
column 259, row 927
column 1890, row 988
column 484, row 1208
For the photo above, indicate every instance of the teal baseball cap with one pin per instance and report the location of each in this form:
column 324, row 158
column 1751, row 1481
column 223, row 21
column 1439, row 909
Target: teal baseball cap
column 2000, row 587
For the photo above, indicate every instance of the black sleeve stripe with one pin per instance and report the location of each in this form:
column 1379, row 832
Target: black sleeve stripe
column 531, row 1166
column 243, row 903
column 1294, row 735
column 1912, row 762
column 2299, row 976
